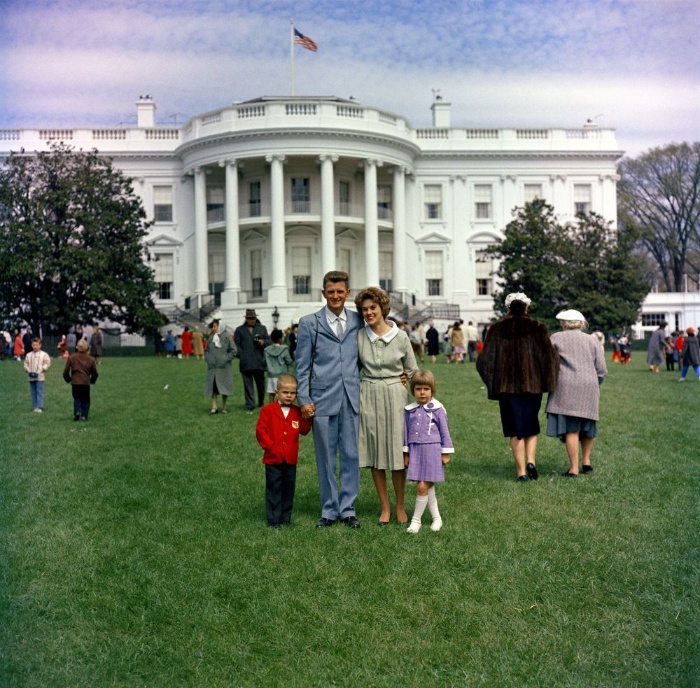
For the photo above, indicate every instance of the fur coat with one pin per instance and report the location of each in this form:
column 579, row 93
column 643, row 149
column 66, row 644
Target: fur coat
column 517, row 357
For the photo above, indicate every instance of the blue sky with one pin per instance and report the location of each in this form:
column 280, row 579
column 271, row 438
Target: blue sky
column 629, row 64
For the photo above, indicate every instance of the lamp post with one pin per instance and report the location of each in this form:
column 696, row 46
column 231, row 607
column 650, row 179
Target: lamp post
column 275, row 317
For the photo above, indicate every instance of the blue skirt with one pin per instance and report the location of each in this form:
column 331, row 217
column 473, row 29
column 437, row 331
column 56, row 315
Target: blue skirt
column 520, row 414
column 559, row 425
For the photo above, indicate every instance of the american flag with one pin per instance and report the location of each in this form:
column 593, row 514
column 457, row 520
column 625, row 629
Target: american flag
column 304, row 41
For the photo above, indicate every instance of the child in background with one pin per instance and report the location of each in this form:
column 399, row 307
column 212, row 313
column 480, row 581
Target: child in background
column 427, row 447
column 277, row 361
column 279, row 425
column 670, row 353
column 36, row 363
column 80, row 372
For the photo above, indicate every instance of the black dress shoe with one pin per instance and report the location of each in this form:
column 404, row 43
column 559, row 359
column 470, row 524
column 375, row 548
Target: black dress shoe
column 382, row 523
column 569, row 474
column 325, row 523
column 522, row 479
column 531, row 471
column 351, row 522
column 587, row 469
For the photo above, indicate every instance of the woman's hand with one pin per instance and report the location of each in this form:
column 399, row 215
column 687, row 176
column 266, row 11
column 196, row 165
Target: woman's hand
column 445, row 459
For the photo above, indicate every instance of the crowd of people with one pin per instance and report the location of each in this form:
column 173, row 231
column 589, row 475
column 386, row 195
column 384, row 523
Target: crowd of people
column 353, row 370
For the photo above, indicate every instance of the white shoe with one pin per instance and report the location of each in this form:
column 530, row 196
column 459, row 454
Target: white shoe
column 436, row 525
column 414, row 527
column 37, row 410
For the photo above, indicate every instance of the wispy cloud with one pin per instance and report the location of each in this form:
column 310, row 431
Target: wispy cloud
column 500, row 62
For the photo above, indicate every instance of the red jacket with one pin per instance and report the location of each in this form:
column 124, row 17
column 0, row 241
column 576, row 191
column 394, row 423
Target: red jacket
column 279, row 436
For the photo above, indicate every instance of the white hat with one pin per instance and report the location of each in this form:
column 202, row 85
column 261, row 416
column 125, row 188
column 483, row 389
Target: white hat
column 571, row 314
column 517, row 297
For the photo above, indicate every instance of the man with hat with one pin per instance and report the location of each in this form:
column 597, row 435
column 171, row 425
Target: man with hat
column 251, row 338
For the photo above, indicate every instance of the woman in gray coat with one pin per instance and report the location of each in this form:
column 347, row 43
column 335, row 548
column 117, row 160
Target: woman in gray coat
column 572, row 409
column 219, row 353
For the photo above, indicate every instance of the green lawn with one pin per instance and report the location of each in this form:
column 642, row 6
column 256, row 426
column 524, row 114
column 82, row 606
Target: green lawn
column 134, row 550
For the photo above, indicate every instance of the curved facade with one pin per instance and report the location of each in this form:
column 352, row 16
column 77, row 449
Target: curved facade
column 254, row 202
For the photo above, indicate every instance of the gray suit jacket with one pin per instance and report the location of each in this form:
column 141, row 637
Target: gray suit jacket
column 335, row 367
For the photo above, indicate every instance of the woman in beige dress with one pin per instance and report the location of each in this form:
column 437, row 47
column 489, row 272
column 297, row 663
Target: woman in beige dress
column 198, row 343
column 387, row 360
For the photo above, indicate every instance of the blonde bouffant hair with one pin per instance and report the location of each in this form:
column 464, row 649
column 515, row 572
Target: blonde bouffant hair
column 379, row 296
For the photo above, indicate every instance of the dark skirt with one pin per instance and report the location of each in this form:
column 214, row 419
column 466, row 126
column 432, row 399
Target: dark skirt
column 519, row 414
column 559, row 425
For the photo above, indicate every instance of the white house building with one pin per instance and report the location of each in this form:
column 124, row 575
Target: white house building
column 255, row 201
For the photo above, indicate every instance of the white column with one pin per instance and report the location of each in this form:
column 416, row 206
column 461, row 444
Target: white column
column 278, row 285
column 328, row 261
column 201, row 244
column 371, row 224
column 608, row 208
column 232, row 285
column 561, row 200
column 400, row 283
column 508, row 201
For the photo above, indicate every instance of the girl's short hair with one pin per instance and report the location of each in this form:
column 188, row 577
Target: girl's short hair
column 424, row 378
column 379, row 296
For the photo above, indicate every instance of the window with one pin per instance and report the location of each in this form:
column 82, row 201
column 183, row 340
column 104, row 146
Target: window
column 215, row 204
column 163, row 203
column 384, row 202
column 217, row 275
column 386, row 270
column 482, row 269
column 653, row 319
column 432, row 194
column 254, row 199
column 164, row 275
column 300, row 195
column 256, row 273
column 301, row 269
column 482, row 201
column 343, row 198
column 582, row 198
column 433, row 273
column 531, row 192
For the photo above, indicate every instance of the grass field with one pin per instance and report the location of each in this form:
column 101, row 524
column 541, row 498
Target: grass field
column 134, row 550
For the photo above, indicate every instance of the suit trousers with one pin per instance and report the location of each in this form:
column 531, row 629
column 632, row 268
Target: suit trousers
column 280, row 483
column 335, row 435
column 251, row 379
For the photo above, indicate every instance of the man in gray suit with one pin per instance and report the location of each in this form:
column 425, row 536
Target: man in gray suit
column 328, row 381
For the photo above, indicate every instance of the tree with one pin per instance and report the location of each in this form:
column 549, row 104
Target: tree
column 659, row 195
column 585, row 265
column 71, row 243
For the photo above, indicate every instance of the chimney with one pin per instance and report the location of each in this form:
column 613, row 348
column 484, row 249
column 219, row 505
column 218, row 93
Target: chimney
column 441, row 112
column 145, row 112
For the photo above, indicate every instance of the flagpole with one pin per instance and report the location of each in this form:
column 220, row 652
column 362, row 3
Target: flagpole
column 291, row 50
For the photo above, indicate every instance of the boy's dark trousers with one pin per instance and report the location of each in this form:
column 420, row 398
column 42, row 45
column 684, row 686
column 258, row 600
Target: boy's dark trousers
column 280, row 482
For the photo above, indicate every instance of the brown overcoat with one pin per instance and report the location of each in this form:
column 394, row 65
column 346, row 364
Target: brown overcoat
column 517, row 357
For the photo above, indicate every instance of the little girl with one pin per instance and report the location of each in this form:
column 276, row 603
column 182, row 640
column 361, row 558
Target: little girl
column 427, row 447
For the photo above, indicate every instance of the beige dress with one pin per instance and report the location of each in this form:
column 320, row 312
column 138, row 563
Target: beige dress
column 383, row 397
column 198, row 343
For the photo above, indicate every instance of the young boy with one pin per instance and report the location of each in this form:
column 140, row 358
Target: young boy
column 36, row 363
column 80, row 372
column 277, row 361
column 277, row 431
